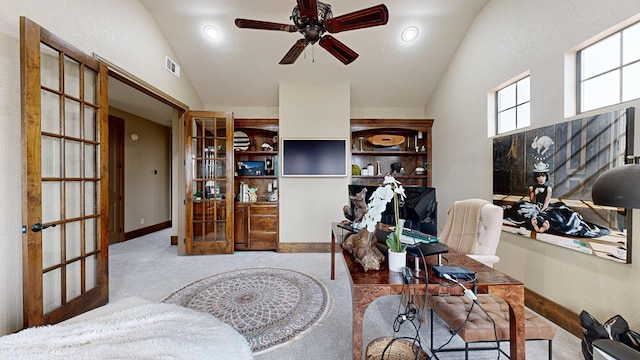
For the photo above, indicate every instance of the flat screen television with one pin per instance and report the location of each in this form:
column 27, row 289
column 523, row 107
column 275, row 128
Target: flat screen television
column 314, row 157
column 420, row 208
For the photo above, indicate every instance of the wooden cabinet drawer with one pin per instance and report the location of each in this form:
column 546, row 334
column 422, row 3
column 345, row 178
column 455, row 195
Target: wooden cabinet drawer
column 263, row 223
column 263, row 241
column 264, row 210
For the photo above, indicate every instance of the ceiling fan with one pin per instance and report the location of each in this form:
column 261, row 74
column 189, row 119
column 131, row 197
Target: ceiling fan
column 312, row 19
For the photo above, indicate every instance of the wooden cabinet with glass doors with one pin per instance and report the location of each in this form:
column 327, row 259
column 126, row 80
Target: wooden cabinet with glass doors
column 209, row 201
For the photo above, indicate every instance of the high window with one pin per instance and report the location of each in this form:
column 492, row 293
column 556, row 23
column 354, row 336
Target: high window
column 609, row 70
column 513, row 106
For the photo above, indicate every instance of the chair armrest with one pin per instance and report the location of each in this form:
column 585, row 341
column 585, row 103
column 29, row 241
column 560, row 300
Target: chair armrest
column 488, row 260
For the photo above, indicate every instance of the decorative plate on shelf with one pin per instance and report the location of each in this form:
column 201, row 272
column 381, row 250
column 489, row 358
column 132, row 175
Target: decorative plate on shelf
column 240, row 141
column 386, row 140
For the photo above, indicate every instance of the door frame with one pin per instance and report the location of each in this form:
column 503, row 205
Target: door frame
column 177, row 143
column 116, row 179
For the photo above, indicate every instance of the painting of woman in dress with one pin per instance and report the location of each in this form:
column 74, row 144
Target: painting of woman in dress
column 542, row 178
column 540, row 215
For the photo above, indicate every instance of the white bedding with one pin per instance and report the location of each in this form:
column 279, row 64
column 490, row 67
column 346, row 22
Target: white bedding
column 148, row 331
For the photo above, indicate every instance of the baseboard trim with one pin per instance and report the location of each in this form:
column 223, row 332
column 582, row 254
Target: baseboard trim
column 553, row 312
column 304, row 247
column 146, row 230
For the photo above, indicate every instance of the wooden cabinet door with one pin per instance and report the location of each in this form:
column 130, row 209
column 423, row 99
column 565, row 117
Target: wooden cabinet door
column 240, row 224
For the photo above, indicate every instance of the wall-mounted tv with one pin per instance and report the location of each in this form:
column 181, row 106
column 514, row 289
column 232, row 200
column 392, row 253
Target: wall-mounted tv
column 313, row 157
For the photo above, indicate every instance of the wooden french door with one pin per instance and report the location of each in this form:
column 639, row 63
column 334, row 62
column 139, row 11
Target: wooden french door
column 64, row 177
column 209, row 175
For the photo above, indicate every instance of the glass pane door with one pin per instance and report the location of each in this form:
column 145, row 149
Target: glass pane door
column 210, row 197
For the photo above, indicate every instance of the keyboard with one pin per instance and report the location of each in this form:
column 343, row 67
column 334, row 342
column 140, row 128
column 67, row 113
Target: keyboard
column 413, row 236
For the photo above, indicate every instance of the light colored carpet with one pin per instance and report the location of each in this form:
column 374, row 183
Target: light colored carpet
column 268, row 306
column 148, row 267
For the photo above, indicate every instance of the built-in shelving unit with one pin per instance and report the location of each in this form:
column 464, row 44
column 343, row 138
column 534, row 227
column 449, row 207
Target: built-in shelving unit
column 413, row 153
column 256, row 223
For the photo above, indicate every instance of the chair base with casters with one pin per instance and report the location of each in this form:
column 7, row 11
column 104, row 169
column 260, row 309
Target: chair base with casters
column 477, row 327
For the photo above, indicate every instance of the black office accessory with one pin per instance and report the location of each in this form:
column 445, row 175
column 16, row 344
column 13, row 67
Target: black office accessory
column 454, row 271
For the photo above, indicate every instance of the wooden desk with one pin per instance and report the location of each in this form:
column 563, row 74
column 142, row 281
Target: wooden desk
column 370, row 285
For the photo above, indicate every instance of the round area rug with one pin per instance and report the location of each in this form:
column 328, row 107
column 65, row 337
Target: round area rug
column 268, row 306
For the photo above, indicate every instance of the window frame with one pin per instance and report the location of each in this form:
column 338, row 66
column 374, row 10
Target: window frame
column 620, row 69
column 514, row 82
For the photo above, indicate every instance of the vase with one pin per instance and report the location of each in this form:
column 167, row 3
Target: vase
column 397, row 260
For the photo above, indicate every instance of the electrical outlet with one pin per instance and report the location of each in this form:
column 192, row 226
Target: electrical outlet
column 141, row 220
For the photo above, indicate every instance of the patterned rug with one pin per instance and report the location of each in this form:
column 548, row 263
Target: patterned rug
column 268, row 306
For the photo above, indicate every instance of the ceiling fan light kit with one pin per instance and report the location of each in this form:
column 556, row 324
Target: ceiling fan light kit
column 312, row 19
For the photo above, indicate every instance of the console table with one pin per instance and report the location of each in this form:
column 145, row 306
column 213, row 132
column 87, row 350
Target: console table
column 370, row 285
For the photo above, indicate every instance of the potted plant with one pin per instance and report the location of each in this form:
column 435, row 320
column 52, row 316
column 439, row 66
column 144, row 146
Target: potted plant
column 391, row 189
column 397, row 254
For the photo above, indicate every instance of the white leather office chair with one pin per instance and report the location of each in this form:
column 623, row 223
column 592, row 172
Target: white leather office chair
column 473, row 227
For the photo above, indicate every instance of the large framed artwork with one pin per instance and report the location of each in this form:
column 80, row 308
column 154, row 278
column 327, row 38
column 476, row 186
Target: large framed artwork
column 543, row 177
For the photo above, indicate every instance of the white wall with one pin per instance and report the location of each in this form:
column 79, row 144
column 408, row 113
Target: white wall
column 508, row 38
column 309, row 205
column 121, row 31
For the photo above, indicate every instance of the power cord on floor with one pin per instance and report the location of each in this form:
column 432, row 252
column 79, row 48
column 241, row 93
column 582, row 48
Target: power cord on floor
column 409, row 314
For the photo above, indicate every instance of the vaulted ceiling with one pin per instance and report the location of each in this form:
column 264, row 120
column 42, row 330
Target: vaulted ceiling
column 241, row 67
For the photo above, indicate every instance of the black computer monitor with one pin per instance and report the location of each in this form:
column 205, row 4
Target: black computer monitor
column 420, row 208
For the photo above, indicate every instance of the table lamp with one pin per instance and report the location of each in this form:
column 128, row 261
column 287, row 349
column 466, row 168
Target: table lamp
column 619, row 186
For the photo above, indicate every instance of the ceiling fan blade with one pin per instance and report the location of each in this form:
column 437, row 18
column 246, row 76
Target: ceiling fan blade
column 341, row 51
column 294, row 52
column 373, row 16
column 308, row 9
column 265, row 25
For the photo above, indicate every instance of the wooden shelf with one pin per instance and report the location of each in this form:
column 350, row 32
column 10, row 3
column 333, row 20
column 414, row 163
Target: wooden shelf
column 385, row 153
column 266, row 177
column 417, row 132
column 397, row 176
column 254, row 153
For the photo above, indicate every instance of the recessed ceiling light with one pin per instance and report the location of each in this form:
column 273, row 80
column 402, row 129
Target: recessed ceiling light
column 410, row 33
column 211, row 32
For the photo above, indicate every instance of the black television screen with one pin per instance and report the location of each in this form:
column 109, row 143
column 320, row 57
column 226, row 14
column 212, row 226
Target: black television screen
column 420, row 208
column 314, row 157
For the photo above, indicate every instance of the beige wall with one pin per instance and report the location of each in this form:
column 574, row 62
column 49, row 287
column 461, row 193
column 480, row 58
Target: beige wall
column 147, row 172
column 103, row 27
column 508, row 38
column 309, row 205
